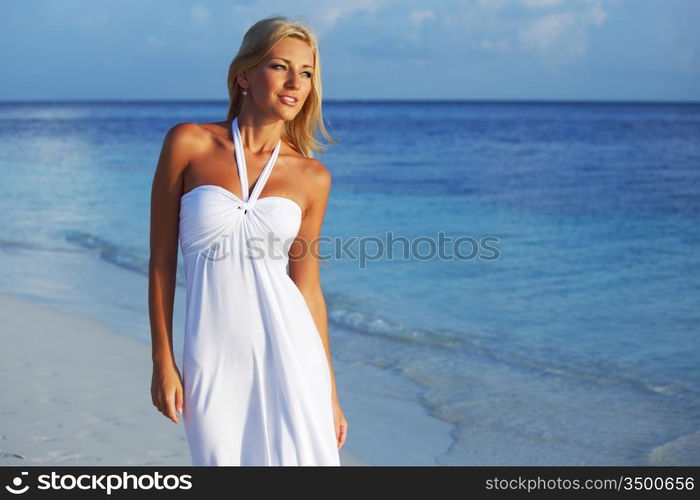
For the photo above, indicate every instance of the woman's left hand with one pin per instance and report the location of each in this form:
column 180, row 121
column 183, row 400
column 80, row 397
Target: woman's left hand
column 341, row 425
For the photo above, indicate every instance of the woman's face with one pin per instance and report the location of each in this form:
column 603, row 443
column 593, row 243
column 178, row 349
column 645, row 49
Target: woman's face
column 286, row 71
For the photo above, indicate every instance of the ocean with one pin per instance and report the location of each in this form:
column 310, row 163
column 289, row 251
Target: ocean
column 540, row 306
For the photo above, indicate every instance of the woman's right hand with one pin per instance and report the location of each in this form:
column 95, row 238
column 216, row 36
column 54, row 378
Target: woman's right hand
column 166, row 390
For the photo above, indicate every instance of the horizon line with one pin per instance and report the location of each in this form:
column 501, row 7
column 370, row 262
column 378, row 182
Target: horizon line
column 357, row 100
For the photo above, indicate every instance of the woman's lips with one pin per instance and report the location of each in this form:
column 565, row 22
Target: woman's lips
column 288, row 102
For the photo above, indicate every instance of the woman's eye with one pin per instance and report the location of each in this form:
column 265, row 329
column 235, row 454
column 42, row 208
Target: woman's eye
column 282, row 66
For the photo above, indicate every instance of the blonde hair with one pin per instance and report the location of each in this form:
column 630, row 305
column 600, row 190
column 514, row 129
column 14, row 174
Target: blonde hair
column 257, row 44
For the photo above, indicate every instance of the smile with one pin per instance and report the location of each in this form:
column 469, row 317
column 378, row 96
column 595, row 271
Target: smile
column 290, row 101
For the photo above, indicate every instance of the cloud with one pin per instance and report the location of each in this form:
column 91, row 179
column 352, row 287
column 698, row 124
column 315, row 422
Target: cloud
column 538, row 4
column 562, row 36
column 154, row 43
column 555, row 32
column 199, row 13
column 542, row 35
column 492, row 5
column 328, row 14
column 417, row 16
column 495, row 45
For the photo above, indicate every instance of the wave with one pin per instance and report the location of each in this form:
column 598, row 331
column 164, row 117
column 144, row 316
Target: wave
column 454, row 345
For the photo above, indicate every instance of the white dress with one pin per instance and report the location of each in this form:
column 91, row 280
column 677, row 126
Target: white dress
column 257, row 385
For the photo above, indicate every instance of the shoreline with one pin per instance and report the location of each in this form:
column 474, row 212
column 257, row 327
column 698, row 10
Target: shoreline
column 75, row 396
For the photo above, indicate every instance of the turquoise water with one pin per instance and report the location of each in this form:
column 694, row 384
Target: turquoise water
column 574, row 340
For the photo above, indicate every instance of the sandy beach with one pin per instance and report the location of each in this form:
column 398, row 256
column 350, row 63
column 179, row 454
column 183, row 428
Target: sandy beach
column 76, row 392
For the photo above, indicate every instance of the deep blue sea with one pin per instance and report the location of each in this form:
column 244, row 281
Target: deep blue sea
column 570, row 336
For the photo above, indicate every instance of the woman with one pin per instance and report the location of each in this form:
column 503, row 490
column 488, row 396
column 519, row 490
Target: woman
column 257, row 386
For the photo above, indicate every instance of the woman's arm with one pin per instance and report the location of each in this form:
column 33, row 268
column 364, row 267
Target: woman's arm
column 304, row 263
column 166, row 390
column 304, row 271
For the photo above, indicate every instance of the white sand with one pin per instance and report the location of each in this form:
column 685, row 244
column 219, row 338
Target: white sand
column 74, row 392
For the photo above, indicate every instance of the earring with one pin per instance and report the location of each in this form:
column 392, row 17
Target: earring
column 244, row 92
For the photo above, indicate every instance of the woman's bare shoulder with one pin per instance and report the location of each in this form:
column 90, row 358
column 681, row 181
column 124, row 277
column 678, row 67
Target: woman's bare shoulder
column 315, row 177
column 317, row 173
column 190, row 135
column 182, row 143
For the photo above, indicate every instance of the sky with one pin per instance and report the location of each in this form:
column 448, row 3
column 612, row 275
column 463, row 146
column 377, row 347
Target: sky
column 623, row 50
